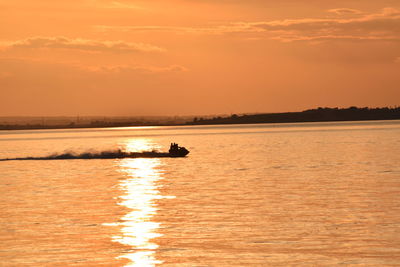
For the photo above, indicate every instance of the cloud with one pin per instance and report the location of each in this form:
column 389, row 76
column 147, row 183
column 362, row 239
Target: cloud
column 120, row 69
column 212, row 30
column 344, row 11
column 381, row 26
column 80, row 44
column 16, row 65
column 118, row 5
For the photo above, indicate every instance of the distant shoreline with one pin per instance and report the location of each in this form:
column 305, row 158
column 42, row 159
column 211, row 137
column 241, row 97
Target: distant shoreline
column 312, row 115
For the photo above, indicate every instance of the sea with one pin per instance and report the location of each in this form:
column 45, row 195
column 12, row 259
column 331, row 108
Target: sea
column 296, row 194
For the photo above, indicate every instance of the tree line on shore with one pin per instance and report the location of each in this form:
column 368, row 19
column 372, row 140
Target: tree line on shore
column 311, row 115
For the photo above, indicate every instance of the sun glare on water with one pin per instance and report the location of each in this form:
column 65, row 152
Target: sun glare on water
column 141, row 192
column 138, row 145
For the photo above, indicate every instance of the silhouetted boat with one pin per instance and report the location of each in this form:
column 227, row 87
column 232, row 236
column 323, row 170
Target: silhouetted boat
column 175, row 151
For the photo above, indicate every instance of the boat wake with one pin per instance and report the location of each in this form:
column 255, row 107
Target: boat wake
column 116, row 154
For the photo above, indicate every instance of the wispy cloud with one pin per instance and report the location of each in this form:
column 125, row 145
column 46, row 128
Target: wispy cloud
column 61, row 42
column 384, row 26
column 345, row 11
column 119, row 69
column 120, row 5
column 213, row 30
column 12, row 66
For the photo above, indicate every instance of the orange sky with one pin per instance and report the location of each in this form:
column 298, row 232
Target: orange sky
column 189, row 57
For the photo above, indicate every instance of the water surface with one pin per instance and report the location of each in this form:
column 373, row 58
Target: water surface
column 321, row 194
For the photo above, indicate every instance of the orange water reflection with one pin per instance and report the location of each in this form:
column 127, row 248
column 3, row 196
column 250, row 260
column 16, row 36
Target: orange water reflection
column 141, row 193
column 139, row 144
